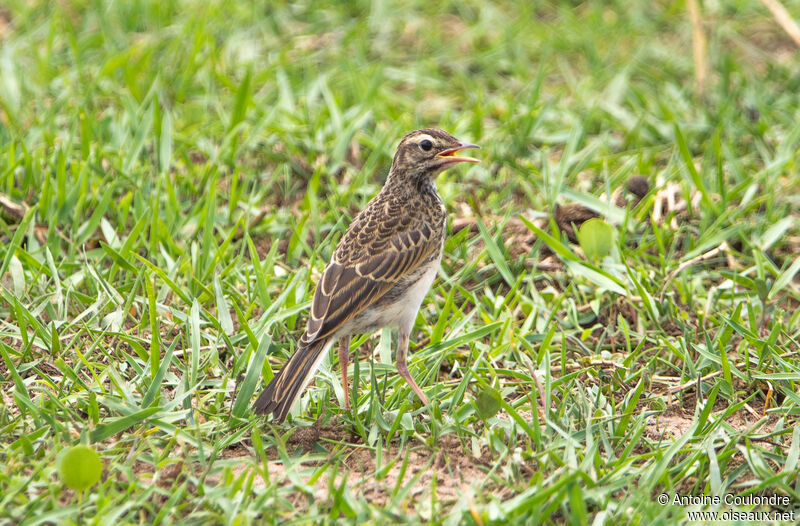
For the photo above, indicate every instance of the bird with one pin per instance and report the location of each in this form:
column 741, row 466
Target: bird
column 380, row 271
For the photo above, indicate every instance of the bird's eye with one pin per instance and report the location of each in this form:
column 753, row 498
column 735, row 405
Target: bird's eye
column 426, row 145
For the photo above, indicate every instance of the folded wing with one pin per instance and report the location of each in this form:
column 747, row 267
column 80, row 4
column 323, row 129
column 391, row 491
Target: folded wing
column 351, row 284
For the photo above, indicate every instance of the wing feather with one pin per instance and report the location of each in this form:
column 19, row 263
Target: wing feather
column 354, row 280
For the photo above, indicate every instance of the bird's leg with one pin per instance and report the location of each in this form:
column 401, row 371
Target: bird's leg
column 402, row 367
column 344, row 358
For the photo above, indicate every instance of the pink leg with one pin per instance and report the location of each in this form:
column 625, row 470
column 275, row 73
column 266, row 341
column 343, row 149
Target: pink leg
column 402, row 367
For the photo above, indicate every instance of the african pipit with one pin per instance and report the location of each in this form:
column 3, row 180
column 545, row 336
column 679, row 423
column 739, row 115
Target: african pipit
column 380, row 271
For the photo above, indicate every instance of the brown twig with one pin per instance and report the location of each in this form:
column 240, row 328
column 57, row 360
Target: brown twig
column 705, row 255
column 692, row 383
column 253, row 222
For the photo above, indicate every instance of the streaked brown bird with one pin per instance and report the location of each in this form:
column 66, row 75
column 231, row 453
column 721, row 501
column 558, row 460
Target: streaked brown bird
column 380, row 271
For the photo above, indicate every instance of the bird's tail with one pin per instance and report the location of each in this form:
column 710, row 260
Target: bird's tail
column 287, row 386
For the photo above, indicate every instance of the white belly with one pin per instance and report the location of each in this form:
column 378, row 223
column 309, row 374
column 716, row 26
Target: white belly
column 408, row 305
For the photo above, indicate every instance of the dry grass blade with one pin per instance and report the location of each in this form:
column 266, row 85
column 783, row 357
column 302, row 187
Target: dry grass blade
column 699, row 47
column 784, row 18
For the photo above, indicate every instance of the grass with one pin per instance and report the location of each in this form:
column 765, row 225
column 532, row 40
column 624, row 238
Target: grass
column 188, row 168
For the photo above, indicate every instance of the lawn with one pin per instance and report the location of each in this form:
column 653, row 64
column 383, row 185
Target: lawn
column 175, row 175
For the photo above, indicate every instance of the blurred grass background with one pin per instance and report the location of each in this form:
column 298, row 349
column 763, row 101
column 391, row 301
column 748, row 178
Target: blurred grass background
column 178, row 174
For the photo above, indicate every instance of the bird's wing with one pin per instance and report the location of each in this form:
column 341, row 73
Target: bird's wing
column 368, row 262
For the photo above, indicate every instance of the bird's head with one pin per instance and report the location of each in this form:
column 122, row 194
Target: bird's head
column 423, row 154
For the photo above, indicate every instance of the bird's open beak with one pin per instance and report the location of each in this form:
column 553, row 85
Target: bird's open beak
column 450, row 156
